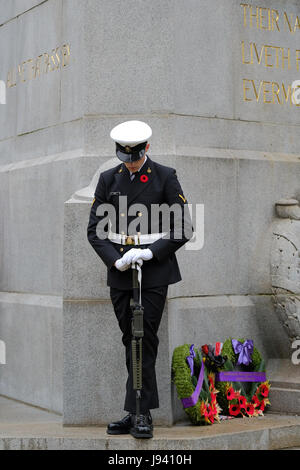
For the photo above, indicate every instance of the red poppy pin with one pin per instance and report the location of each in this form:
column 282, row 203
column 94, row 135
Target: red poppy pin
column 144, row 178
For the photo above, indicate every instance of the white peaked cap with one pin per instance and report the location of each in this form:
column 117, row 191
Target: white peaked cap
column 131, row 133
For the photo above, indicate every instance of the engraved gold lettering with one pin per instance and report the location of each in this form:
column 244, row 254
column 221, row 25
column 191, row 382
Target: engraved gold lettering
column 245, row 89
column 245, row 6
column 55, row 54
column 297, row 58
column 265, row 92
column 257, row 95
column 288, row 57
column 297, row 25
column 31, row 74
column 275, row 19
column 261, row 53
column 44, row 63
column 22, row 71
column 261, row 17
column 287, row 95
column 66, row 55
column 254, row 15
column 275, row 93
column 265, row 89
column 11, row 78
column 267, row 55
column 288, row 22
column 267, row 19
column 38, row 66
column 266, row 52
column 47, row 62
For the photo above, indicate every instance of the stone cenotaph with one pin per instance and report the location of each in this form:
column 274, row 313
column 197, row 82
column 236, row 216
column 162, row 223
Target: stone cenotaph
column 219, row 84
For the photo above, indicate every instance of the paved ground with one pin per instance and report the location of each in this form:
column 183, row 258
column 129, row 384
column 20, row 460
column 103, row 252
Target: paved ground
column 26, row 427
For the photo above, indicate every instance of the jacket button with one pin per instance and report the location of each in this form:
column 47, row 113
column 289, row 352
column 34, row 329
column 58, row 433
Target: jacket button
column 121, row 249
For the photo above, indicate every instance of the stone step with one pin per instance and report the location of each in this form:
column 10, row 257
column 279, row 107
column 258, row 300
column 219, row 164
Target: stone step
column 23, row 427
column 289, row 385
column 267, row 433
column 285, row 400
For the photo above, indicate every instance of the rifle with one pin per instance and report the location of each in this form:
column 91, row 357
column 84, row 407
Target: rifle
column 137, row 327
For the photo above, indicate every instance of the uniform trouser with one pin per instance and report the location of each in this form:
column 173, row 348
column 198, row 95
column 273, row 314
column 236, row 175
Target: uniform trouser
column 153, row 301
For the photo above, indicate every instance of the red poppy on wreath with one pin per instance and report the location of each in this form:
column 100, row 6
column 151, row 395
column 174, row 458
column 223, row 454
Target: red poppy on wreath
column 255, row 400
column 242, row 401
column 249, row 409
column 263, row 389
column 144, row 178
column 262, row 406
column 204, row 349
column 234, row 410
column 230, row 394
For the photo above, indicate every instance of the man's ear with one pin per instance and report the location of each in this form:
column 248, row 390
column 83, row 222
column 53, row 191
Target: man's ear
column 147, row 147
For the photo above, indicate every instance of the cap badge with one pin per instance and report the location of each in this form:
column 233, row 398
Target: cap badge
column 127, row 149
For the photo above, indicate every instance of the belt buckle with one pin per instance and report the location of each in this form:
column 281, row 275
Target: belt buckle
column 129, row 240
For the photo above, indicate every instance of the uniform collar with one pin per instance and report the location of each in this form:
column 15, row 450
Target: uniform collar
column 132, row 189
column 131, row 173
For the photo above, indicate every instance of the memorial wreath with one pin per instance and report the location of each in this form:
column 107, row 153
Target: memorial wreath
column 195, row 387
column 239, row 376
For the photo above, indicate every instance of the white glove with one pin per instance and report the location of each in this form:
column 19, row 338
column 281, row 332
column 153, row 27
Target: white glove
column 122, row 265
column 127, row 258
column 145, row 255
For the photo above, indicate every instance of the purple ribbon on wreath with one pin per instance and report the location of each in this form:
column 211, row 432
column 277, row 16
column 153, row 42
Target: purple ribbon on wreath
column 193, row 399
column 244, row 350
column 190, row 359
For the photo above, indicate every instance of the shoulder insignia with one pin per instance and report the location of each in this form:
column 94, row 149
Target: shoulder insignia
column 184, row 200
column 93, row 200
column 120, row 170
column 149, row 170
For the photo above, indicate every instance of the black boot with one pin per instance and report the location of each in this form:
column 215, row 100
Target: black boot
column 121, row 427
column 142, row 426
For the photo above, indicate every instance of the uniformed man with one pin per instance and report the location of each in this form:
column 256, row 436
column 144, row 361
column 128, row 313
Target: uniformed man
column 138, row 179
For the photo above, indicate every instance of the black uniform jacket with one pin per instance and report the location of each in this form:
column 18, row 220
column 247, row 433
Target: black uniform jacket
column 153, row 184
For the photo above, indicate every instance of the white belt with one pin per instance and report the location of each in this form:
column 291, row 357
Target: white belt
column 137, row 239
